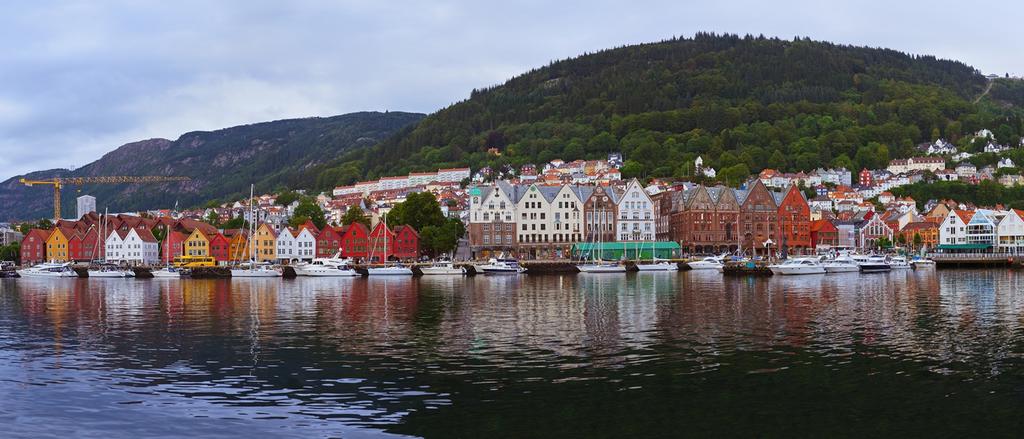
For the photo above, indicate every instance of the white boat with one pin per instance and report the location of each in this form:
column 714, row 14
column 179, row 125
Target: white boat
column 168, row 273
column 255, row 270
column 797, row 266
column 326, row 267
column 658, row 266
column 601, row 267
column 111, row 272
column 871, row 264
column 49, row 269
column 501, row 266
column 443, row 268
column 899, row 263
column 390, row 270
column 922, row 263
column 709, row 263
column 841, row 264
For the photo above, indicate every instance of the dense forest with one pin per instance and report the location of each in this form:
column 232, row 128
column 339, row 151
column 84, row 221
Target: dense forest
column 742, row 103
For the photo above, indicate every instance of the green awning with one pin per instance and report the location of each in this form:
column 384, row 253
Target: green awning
column 964, row 246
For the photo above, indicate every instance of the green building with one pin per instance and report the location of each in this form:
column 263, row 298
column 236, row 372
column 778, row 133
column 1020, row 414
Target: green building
column 614, row 251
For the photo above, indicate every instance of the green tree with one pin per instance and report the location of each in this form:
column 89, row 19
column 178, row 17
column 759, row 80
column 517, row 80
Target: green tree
column 419, row 210
column 632, row 169
column 287, row 197
column 212, row 219
column 884, row 242
column 355, row 214
column 237, row 222
column 45, row 224
column 11, row 252
column 918, row 241
column 308, row 210
column 734, row 175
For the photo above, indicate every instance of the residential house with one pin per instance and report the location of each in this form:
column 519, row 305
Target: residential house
column 265, row 243
column 966, row 171
column 197, row 243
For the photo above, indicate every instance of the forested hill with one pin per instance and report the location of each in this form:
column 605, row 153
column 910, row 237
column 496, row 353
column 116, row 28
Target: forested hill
column 221, row 163
column 741, row 102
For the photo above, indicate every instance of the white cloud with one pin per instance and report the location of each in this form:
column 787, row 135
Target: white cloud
column 81, row 78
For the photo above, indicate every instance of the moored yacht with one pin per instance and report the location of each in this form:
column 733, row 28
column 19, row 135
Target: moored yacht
column 709, row 263
column 110, row 271
column 170, row 273
column 795, row 266
column 899, row 263
column 841, row 264
column 658, row 266
column 501, row 266
column 49, row 269
column 325, row 267
column 920, row 262
column 871, row 264
column 443, row 267
column 396, row 269
column 255, row 270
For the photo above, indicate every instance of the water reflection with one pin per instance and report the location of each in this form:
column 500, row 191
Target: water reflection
column 353, row 356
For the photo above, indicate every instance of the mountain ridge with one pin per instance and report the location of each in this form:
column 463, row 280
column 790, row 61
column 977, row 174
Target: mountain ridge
column 222, row 163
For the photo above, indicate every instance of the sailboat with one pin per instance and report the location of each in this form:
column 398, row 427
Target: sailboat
column 656, row 264
column 252, row 268
column 169, row 271
column 396, row 269
column 596, row 265
column 106, row 270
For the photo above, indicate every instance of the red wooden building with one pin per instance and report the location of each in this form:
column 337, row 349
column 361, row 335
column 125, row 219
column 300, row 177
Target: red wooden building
column 33, row 247
column 355, row 242
column 794, row 222
column 328, row 241
column 406, row 243
column 173, row 247
column 220, row 247
column 824, row 234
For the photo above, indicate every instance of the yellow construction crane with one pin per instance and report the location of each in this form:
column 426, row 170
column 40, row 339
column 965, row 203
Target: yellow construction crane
column 59, row 182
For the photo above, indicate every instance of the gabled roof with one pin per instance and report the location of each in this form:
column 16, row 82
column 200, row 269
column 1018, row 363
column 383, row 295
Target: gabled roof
column 400, row 229
column 965, row 215
column 145, row 235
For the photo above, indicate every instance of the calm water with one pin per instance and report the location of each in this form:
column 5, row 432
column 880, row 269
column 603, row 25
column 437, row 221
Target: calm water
column 687, row 354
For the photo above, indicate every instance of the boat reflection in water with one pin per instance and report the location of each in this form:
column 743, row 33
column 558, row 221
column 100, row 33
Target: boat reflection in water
column 650, row 352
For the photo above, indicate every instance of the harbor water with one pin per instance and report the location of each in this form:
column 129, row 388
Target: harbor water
column 923, row 352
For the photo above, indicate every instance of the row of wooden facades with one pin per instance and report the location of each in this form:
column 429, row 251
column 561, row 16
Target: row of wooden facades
column 78, row 241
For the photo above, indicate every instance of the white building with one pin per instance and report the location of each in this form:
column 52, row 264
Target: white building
column 134, row 247
column 287, row 249
column 452, row 175
column 86, row 204
column 966, row 170
column 902, row 166
column 1010, row 233
column 953, row 229
column 636, row 214
column 305, row 245
column 1005, row 163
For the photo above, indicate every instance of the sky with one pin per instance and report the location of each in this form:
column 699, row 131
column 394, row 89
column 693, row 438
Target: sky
column 80, row 78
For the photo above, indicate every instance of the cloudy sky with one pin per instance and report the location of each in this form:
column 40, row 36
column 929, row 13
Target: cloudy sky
column 78, row 79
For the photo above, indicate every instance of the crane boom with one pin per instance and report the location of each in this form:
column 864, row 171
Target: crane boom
column 59, row 182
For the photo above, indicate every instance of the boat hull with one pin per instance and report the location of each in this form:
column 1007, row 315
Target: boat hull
column 841, row 268
column 796, row 270
column 662, row 266
column 586, row 268
column 701, row 265
column 441, row 271
column 389, row 271
column 30, row 273
column 875, row 268
column 110, row 274
column 255, row 273
column 327, row 272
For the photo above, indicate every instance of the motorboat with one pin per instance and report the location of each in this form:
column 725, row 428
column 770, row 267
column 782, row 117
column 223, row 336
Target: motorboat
column 709, row 263
column 110, row 271
column 601, row 267
column 658, row 266
column 325, row 267
column 872, row 264
column 169, row 273
column 899, row 263
column 392, row 269
column 255, row 270
column 443, row 267
column 922, row 263
column 49, row 269
column 841, row 264
column 501, row 266
column 796, row 266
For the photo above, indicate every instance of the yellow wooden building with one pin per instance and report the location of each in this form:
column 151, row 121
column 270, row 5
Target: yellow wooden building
column 266, row 243
column 197, row 244
column 58, row 247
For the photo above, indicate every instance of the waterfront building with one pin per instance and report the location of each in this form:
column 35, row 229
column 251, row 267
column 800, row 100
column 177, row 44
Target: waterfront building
column 706, row 220
column 33, row 247
column 220, row 248
column 1010, row 232
column 926, row 231
column 328, row 241
column 137, row 247
column 636, row 214
column 794, row 228
column 58, row 244
column 953, row 230
column 406, row 243
column 287, row 246
column 824, row 235
column 599, row 213
column 197, row 243
column 981, row 229
column 238, row 245
column 872, row 230
column 174, row 247
column 265, row 243
column 305, row 242
column 758, row 215
column 492, row 224
column 355, row 241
